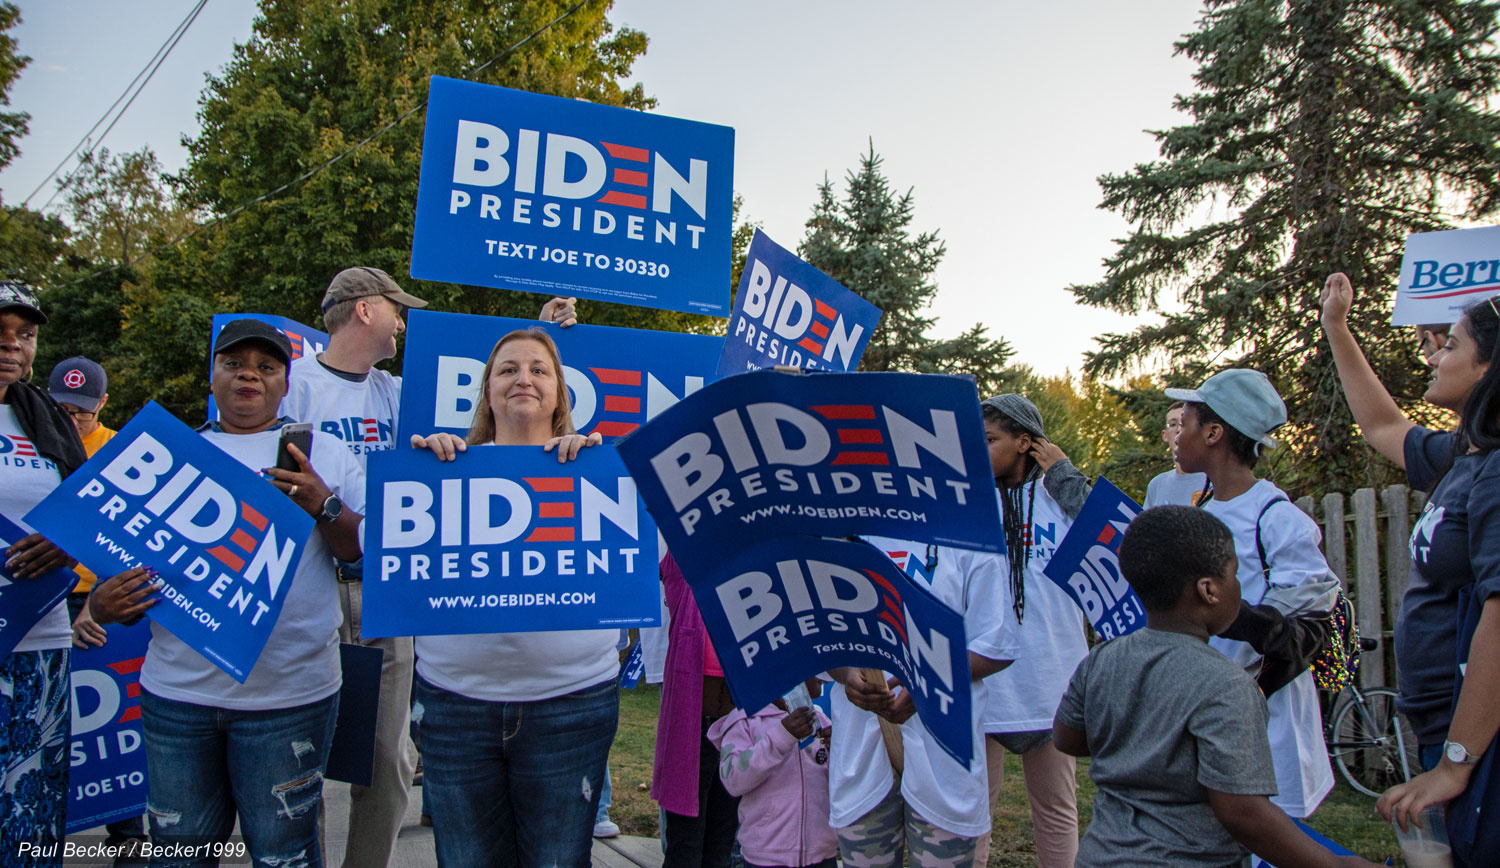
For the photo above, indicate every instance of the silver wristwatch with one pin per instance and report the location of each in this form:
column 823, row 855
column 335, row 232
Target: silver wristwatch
column 1458, row 754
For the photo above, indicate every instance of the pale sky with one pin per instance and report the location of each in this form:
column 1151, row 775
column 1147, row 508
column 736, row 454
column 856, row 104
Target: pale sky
column 998, row 115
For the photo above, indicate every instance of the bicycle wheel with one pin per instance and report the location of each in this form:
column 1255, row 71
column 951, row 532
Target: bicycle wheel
column 1365, row 746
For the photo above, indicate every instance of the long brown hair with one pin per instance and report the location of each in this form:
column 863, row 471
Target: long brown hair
column 482, row 429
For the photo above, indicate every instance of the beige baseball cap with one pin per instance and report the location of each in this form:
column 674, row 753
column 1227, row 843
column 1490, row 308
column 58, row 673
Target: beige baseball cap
column 363, row 281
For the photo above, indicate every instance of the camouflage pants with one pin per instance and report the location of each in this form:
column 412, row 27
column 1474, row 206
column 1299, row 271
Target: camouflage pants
column 877, row 839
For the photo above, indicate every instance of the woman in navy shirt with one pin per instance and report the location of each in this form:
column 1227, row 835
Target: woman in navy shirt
column 1455, row 545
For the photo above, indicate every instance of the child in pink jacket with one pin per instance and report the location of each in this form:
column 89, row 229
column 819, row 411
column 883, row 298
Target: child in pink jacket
column 783, row 790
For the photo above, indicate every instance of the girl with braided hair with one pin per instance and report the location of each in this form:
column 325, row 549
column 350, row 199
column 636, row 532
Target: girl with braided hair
column 1040, row 493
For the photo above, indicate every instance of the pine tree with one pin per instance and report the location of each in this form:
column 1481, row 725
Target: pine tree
column 864, row 242
column 1321, row 133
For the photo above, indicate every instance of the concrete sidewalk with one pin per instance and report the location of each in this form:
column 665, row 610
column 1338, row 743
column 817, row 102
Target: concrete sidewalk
column 414, row 846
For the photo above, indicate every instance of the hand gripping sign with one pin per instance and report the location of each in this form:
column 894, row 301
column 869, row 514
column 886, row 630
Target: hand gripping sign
column 225, row 541
column 539, row 193
column 1444, row 272
column 785, row 610
column 773, row 454
column 788, row 313
column 106, row 753
column 618, row 378
column 23, row 602
column 1087, row 563
column 504, row 539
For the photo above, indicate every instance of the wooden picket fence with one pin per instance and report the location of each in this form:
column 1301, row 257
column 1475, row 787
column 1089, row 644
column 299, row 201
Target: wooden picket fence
column 1370, row 530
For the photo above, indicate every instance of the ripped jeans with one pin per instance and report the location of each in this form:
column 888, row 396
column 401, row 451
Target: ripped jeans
column 206, row 765
column 515, row 784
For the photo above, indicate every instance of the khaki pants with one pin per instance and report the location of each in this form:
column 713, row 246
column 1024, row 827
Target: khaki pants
column 376, row 811
column 1052, row 789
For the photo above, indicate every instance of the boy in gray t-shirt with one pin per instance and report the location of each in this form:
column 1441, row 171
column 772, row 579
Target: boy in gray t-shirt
column 1176, row 730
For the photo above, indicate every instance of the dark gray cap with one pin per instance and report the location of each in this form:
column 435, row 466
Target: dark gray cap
column 1019, row 410
column 239, row 331
column 362, row 282
column 78, row 381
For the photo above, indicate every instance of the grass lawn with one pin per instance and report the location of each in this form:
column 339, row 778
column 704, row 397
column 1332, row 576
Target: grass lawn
column 1346, row 816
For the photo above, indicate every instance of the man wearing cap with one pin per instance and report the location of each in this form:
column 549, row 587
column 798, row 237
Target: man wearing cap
column 344, row 395
column 78, row 385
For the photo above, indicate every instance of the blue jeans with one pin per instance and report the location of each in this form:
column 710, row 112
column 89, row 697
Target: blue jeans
column 606, row 797
column 515, row 784
column 205, row 765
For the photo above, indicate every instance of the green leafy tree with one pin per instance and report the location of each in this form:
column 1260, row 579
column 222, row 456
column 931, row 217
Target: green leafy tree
column 319, row 76
column 13, row 125
column 120, row 208
column 32, row 245
column 1321, row 133
column 864, row 242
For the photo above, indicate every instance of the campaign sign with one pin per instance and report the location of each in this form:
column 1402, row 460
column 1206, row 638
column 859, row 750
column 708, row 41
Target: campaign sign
column 23, row 602
column 504, row 539
column 1087, row 563
column 788, row 313
column 562, row 196
column 1444, row 272
column 106, row 754
column 305, row 341
column 774, row 454
column 784, row 610
column 618, row 378
column 225, row 542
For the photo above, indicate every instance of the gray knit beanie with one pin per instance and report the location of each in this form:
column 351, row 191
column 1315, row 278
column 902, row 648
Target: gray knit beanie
column 1019, row 410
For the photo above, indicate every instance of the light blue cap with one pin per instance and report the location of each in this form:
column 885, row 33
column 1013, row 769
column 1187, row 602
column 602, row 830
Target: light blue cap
column 1243, row 398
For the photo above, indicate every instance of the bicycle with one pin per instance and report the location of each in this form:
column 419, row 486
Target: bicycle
column 1369, row 742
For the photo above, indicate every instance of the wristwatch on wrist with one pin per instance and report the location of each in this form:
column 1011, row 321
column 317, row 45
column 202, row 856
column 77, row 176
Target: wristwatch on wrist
column 1458, row 754
column 332, row 509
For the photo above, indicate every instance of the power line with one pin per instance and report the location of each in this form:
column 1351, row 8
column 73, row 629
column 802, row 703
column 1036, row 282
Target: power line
column 332, row 160
column 149, row 70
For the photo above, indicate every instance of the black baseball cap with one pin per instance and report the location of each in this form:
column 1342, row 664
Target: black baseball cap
column 239, row 331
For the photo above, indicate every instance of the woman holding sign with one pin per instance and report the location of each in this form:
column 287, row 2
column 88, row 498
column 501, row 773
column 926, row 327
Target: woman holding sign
column 516, row 727
column 217, row 749
column 34, row 712
column 1455, row 546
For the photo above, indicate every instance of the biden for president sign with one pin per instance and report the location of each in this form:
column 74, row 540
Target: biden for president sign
column 225, row 542
column 106, row 749
column 784, row 610
column 789, row 313
column 506, row 539
column 1087, row 563
column 24, row 602
column 531, row 192
column 617, row 378
column 773, row 454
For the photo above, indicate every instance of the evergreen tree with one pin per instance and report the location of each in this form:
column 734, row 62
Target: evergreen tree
column 1322, row 132
column 864, row 242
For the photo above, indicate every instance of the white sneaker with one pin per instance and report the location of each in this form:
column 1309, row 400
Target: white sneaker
column 606, row 829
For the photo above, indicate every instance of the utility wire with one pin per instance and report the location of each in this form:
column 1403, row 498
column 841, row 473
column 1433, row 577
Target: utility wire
column 332, row 160
column 148, row 71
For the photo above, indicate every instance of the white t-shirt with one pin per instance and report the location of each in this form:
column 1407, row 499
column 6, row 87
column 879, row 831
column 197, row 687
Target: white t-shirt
column 361, row 414
column 1024, row 696
column 518, row 667
column 1291, row 538
column 26, row 479
column 952, row 797
column 300, row 663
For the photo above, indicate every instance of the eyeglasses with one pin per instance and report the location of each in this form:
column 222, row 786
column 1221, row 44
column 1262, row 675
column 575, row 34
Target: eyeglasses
column 82, row 415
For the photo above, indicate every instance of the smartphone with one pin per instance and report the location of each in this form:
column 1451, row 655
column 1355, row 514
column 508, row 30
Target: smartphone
column 299, row 433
